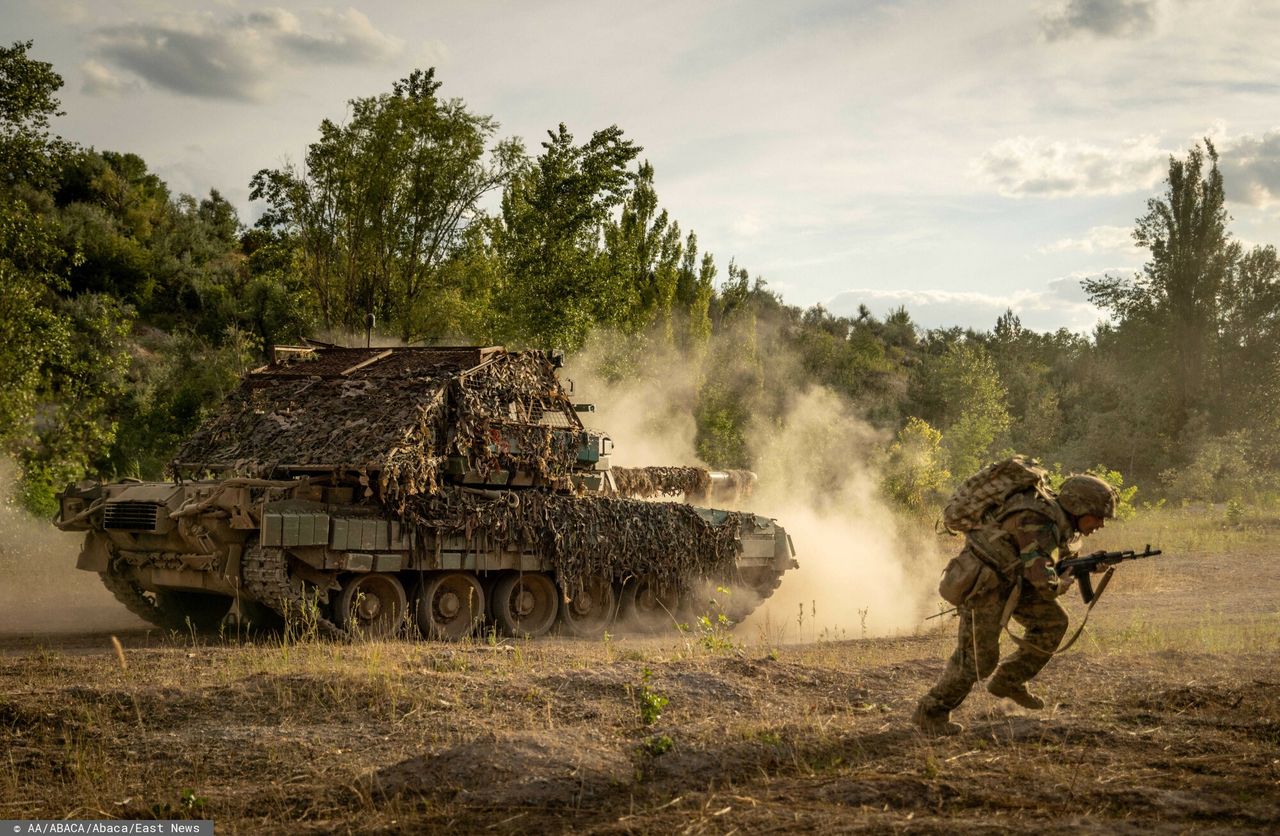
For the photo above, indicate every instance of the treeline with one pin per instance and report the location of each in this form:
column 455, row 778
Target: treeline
column 129, row 312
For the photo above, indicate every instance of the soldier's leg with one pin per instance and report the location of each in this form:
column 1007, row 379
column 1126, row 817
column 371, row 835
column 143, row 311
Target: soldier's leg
column 1045, row 624
column 976, row 655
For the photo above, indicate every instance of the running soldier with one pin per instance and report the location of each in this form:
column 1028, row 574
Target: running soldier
column 1007, row 570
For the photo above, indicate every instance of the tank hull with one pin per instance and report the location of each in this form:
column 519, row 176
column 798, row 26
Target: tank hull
column 172, row 553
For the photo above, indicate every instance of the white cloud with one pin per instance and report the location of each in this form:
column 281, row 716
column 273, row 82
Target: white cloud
column 1101, row 18
column 240, row 58
column 1097, row 239
column 1250, row 168
column 1038, row 167
column 1062, row 303
column 433, row 53
column 101, row 81
column 349, row 38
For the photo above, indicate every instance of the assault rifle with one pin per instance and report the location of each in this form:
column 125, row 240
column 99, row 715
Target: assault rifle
column 1080, row 567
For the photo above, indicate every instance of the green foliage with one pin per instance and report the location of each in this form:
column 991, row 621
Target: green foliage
column 713, row 626
column 1223, row 468
column 86, row 377
column 658, row 744
column 651, row 703
column 28, row 101
column 960, row 391
column 1125, row 509
column 1196, row 334
column 916, row 475
column 384, row 200
column 29, row 323
column 557, row 285
column 128, row 312
column 174, row 386
column 190, row 805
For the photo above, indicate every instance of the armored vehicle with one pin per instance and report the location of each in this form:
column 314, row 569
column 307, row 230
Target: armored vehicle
column 427, row 490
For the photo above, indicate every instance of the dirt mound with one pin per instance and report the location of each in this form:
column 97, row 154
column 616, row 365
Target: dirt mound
column 541, row 768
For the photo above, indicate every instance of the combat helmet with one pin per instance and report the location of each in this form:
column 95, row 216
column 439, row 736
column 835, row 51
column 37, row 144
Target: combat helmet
column 1083, row 494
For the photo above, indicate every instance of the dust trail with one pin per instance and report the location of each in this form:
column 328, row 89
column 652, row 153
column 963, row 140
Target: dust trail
column 650, row 420
column 864, row 569
column 41, row 590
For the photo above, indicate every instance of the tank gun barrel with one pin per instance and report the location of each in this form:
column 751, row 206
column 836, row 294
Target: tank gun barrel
column 697, row 484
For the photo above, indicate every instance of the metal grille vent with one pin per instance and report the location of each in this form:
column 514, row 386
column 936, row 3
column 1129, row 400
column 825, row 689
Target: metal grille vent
column 132, row 516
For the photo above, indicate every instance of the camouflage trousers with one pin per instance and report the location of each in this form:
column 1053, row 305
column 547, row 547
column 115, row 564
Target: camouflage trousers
column 1044, row 621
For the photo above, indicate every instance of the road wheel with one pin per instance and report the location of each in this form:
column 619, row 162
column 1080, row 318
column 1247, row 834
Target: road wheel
column 372, row 605
column 590, row 609
column 450, row 606
column 648, row 605
column 525, row 604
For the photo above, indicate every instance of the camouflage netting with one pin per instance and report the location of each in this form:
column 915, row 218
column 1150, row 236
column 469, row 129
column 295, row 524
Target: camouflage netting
column 591, row 536
column 513, row 411
column 648, row 482
column 391, row 425
column 395, row 413
column 696, row 483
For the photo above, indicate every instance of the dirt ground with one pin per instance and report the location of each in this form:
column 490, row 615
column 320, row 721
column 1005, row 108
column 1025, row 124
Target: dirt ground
column 1164, row 717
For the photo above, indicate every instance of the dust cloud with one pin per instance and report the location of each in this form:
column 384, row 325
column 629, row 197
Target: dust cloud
column 650, row 420
column 864, row 570
column 41, row 590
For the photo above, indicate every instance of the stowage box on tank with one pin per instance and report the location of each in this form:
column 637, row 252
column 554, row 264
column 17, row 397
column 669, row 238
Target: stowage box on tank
column 427, row 490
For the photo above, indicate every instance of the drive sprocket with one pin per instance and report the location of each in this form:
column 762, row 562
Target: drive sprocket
column 264, row 575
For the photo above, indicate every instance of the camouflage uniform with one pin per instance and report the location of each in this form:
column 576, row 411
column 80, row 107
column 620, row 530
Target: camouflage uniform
column 1025, row 543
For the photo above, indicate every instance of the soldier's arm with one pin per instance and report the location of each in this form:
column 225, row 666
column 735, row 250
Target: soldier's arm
column 1037, row 539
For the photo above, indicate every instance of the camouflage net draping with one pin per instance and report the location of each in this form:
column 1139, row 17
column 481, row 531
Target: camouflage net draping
column 648, row 482
column 497, row 418
column 588, row 536
column 392, row 421
column 361, row 424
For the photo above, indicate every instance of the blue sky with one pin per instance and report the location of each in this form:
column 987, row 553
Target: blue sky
column 954, row 157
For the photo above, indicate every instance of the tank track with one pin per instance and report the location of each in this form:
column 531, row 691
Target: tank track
column 762, row 591
column 772, row 587
column 135, row 601
column 264, row 574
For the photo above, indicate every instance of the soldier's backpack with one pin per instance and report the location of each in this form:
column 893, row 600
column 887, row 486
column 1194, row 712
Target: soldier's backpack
column 979, row 497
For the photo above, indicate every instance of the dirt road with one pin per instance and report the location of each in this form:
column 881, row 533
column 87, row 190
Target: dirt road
column 1166, row 717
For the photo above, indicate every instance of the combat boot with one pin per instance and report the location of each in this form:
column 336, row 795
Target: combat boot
column 935, row 723
column 1017, row 692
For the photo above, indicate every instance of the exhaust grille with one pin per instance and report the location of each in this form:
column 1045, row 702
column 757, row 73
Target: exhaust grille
column 132, row 516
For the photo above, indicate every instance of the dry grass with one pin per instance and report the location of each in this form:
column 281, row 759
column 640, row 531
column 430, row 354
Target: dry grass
column 1166, row 717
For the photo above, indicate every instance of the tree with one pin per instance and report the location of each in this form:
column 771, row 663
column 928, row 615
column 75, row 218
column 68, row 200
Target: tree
column 960, row 392
column 1172, row 308
column 28, row 100
column 695, row 285
column 643, row 253
column 1250, row 354
column 31, row 260
column 383, row 200
column 548, row 239
column 915, row 474
column 85, row 379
